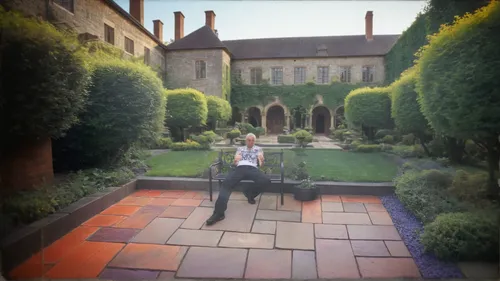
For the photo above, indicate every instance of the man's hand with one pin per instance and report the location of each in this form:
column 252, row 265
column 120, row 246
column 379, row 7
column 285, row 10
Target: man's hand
column 261, row 158
column 237, row 158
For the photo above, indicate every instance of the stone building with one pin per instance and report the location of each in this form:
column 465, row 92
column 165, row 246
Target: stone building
column 200, row 60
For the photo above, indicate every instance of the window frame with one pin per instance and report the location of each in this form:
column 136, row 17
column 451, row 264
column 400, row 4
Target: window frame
column 107, row 29
column 274, row 71
column 348, row 68
column 130, row 44
column 200, row 69
column 303, row 75
column 371, row 73
column 322, row 76
column 257, row 70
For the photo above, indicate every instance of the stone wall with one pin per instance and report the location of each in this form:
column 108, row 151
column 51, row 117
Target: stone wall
column 311, row 65
column 89, row 17
column 181, row 70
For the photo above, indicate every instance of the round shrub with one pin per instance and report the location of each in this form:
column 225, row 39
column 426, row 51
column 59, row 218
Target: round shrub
column 231, row 135
column 186, row 108
column 117, row 116
column 259, row 131
column 218, row 109
column 384, row 132
column 388, row 139
column 369, row 107
column 303, row 137
column 43, row 86
column 463, row 236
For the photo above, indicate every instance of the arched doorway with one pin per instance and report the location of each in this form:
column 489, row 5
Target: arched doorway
column 321, row 120
column 236, row 116
column 275, row 119
column 254, row 117
column 339, row 116
column 299, row 117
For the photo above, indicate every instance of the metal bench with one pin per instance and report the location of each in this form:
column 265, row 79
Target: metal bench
column 273, row 167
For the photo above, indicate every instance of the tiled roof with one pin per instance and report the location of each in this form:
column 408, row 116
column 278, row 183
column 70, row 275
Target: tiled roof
column 202, row 38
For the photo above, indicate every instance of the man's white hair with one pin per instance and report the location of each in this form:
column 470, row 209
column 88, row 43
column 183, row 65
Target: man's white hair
column 250, row 135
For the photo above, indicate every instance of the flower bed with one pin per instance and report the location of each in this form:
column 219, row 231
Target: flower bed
column 409, row 227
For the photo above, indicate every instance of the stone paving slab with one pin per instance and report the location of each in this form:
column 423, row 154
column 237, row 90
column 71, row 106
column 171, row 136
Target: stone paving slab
column 162, row 234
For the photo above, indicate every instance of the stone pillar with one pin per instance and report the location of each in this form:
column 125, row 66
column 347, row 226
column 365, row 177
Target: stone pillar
column 332, row 123
column 309, row 120
column 287, row 121
column 264, row 125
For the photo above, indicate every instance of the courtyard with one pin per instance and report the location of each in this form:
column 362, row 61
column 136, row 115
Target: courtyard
column 161, row 234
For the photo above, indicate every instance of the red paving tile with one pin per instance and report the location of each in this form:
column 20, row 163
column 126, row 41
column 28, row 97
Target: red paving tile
column 104, row 220
column 187, row 202
column 192, row 195
column 147, row 256
column 330, row 198
column 120, row 210
column 86, row 261
column 67, row 243
column 173, row 193
column 397, row 249
column 142, row 217
column 30, row 269
column 133, row 200
column 179, row 212
column 360, row 199
column 388, row 268
column 160, row 201
column 311, row 211
column 372, row 207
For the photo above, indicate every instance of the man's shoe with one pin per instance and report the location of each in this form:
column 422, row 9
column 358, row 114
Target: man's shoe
column 251, row 201
column 214, row 218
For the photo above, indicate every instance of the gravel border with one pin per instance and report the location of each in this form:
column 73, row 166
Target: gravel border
column 408, row 227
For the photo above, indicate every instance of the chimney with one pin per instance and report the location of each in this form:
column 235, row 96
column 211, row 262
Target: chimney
column 369, row 26
column 179, row 25
column 158, row 29
column 137, row 10
column 210, row 19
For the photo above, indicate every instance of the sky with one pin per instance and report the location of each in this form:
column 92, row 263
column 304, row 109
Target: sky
column 245, row 19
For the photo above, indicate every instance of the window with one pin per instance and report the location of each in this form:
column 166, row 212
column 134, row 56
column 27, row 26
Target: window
column 147, row 56
column 323, row 75
column 129, row 45
column 300, row 75
column 345, row 74
column 277, row 76
column 256, row 76
column 109, row 34
column 66, row 4
column 201, row 69
column 368, row 73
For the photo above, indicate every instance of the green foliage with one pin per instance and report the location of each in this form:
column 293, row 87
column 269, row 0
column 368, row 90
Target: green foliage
column 245, row 128
column 299, row 171
column 303, row 137
column 126, row 106
column 388, row 139
column 367, row 148
column 458, row 85
column 186, row 108
column 463, row 236
column 405, row 108
column 226, row 83
column 470, row 187
column 231, row 135
column 425, row 194
column 259, row 131
column 408, row 151
column 187, row 145
column 408, row 139
column 44, row 80
column 370, row 107
column 307, row 184
column 164, row 143
column 286, row 139
column 203, row 140
column 292, row 96
column 385, row 132
column 218, row 109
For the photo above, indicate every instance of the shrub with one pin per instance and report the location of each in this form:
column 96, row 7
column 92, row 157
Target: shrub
column 339, row 134
column 370, row 108
column 463, row 236
column 44, row 79
column 218, row 109
column 211, row 136
column 203, row 141
column 303, row 137
column 118, row 115
column 164, row 143
column 186, row 108
column 233, row 134
column 259, row 131
column 300, row 172
column 470, row 187
column 425, row 194
column 187, row 145
column 286, row 139
column 246, row 128
column 454, row 104
column 368, row 148
column 384, row 132
column 388, row 139
column 222, row 131
column 408, row 139
column 437, row 147
column 408, row 151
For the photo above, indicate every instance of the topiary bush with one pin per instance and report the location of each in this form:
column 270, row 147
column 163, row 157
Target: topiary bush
column 385, row 132
column 219, row 110
column 408, row 139
column 164, row 143
column 366, row 148
column 369, row 108
column 118, row 116
column 259, row 131
column 187, row 145
column 388, row 139
column 463, row 236
column 186, row 108
column 470, row 187
column 303, row 137
column 231, row 135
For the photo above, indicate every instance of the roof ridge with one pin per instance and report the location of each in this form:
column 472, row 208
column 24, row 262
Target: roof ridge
column 309, row 37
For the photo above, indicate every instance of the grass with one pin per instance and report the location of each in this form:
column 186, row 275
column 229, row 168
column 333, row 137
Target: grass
column 322, row 164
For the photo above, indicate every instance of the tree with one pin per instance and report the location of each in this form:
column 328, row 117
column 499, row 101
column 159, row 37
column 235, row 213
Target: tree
column 186, row 108
column 43, row 88
column 458, row 85
column 218, row 110
column 126, row 106
column 369, row 108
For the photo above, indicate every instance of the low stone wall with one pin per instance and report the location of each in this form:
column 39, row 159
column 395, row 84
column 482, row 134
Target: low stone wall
column 23, row 243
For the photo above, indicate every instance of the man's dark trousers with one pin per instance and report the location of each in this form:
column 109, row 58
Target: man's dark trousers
column 233, row 178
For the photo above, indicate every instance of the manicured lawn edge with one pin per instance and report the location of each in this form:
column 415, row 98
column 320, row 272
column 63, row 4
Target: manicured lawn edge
column 23, row 243
column 408, row 227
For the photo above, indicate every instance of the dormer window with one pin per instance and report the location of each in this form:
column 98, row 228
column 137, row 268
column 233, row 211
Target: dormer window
column 322, row 50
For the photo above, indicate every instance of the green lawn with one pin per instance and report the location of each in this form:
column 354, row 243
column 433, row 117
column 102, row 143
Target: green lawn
column 327, row 164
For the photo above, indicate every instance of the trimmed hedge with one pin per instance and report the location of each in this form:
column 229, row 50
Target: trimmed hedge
column 186, row 108
column 286, row 139
column 118, row 115
column 218, row 109
column 44, row 79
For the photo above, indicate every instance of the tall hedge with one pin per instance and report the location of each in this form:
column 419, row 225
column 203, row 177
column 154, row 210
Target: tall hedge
column 186, row 108
column 126, row 106
column 369, row 108
column 458, row 85
column 43, row 79
column 218, row 109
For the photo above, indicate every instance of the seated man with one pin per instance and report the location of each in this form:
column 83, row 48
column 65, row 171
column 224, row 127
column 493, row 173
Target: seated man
column 245, row 159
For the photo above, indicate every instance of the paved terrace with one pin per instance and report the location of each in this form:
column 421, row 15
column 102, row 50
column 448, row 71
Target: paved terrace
column 161, row 234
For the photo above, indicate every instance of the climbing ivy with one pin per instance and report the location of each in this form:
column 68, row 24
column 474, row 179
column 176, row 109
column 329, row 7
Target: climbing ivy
column 292, row 96
column 226, row 82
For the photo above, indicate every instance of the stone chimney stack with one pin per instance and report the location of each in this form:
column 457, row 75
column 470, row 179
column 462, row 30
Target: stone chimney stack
column 369, row 26
column 210, row 19
column 137, row 10
column 179, row 25
column 158, row 29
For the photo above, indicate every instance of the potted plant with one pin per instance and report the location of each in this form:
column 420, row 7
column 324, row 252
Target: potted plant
column 306, row 190
column 285, row 130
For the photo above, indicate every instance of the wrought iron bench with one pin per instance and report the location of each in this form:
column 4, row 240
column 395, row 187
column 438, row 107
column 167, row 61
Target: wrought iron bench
column 273, row 167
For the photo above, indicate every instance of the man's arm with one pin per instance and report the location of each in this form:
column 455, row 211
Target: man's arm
column 237, row 156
